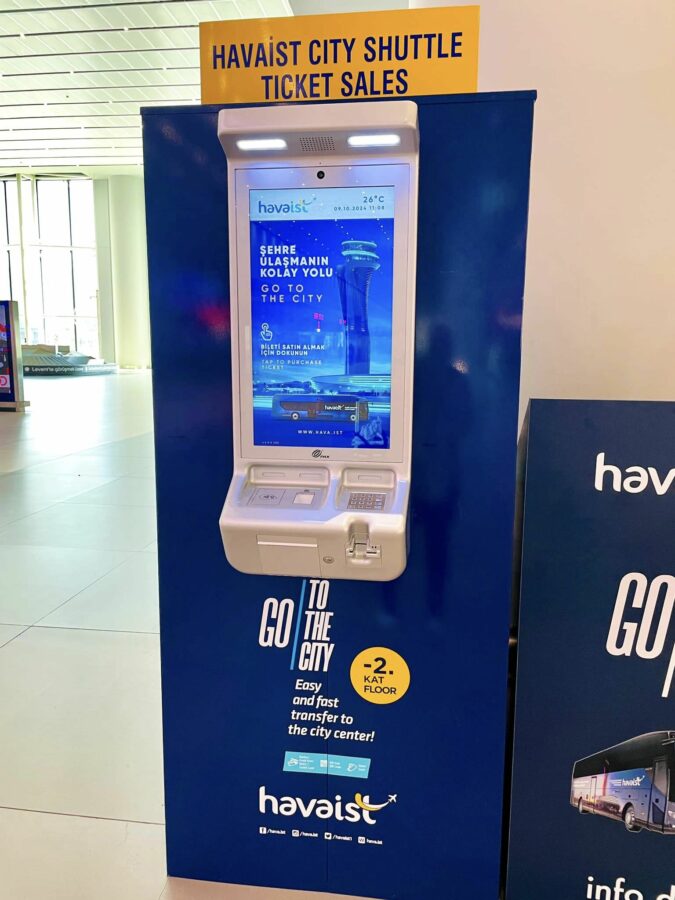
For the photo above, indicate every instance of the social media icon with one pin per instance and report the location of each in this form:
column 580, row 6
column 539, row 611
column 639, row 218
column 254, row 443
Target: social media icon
column 328, row 836
column 362, row 840
column 295, row 832
column 263, row 830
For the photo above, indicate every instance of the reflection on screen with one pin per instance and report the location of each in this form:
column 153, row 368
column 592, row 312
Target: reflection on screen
column 321, row 314
column 5, row 358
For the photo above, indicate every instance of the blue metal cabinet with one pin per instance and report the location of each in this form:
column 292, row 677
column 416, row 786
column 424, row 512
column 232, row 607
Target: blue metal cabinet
column 440, row 749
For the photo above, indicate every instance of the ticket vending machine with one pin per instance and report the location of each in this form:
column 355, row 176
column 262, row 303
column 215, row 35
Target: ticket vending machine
column 323, row 232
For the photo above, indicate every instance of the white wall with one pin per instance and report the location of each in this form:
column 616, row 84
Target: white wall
column 106, row 307
column 129, row 271
column 600, row 286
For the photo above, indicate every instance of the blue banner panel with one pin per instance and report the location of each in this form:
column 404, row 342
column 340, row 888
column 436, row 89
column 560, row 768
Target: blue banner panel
column 404, row 680
column 593, row 799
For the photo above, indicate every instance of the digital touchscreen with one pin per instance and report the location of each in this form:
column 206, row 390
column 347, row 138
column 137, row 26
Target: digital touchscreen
column 5, row 352
column 321, row 316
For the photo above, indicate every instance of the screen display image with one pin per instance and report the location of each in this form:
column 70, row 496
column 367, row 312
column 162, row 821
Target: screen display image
column 321, row 316
column 5, row 353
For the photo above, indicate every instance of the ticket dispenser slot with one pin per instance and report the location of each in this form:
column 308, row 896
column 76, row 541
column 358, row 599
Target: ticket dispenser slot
column 281, row 554
column 323, row 232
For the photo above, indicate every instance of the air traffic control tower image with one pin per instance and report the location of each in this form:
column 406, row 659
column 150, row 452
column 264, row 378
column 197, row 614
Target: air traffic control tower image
column 353, row 278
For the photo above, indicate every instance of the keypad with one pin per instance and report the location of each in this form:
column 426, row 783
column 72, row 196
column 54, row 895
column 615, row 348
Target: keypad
column 373, row 502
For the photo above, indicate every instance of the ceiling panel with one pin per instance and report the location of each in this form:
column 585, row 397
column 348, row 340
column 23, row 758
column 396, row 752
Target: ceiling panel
column 116, row 61
column 103, row 43
column 61, row 134
column 74, row 73
column 137, row 93
column 141, row 15
column 72, row 83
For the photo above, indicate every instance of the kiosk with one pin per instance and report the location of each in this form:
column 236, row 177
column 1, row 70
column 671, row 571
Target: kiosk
column 323, row 232
column 11, row 368
column 271, row 712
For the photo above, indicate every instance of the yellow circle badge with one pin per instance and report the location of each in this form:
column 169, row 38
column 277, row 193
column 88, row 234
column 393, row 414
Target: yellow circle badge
column 380, row 675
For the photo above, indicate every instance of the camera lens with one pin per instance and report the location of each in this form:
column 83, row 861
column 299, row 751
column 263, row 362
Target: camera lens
column 320, row 174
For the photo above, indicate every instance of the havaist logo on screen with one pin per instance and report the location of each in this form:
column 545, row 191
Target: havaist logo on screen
column 281, row 209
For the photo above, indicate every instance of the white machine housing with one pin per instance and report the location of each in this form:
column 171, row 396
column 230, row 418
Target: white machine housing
column 312, row 511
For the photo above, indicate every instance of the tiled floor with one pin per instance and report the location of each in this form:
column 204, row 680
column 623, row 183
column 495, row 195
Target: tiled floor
column 81, row 805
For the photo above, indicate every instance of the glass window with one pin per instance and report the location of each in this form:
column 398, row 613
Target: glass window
column 60, row 330
column 82, row 213
column 661, row 776
column 85, row 280
column 17, row 288
column 29, row 223
column 5, row 277
column 34, row 307
column 3, row 213
column 53, row 212
column 11, row 284
column 87, row 335
column 12, row 198
column 5, row 271
column 15, row 274
column 53, row 247
column 57, row 281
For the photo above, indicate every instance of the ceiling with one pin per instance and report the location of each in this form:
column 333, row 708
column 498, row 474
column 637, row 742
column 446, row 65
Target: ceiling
column 74, row 73
column 323, row 7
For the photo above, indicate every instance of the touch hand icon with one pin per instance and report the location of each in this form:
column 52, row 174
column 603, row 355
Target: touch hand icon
column 265, row 332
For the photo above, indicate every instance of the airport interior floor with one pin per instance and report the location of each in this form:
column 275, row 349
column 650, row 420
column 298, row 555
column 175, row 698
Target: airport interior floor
column 81, row 794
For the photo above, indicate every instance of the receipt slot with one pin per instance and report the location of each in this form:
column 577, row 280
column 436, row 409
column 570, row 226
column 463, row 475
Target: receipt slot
column 323, row 231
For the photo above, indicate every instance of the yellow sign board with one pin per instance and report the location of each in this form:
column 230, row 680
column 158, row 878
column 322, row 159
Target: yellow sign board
column 347, row 56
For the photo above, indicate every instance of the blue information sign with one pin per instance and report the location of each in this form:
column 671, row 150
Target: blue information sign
column 593, row 800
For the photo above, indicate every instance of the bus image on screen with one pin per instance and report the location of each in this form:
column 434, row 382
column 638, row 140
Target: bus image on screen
column 318, row 408
column 633, row 782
